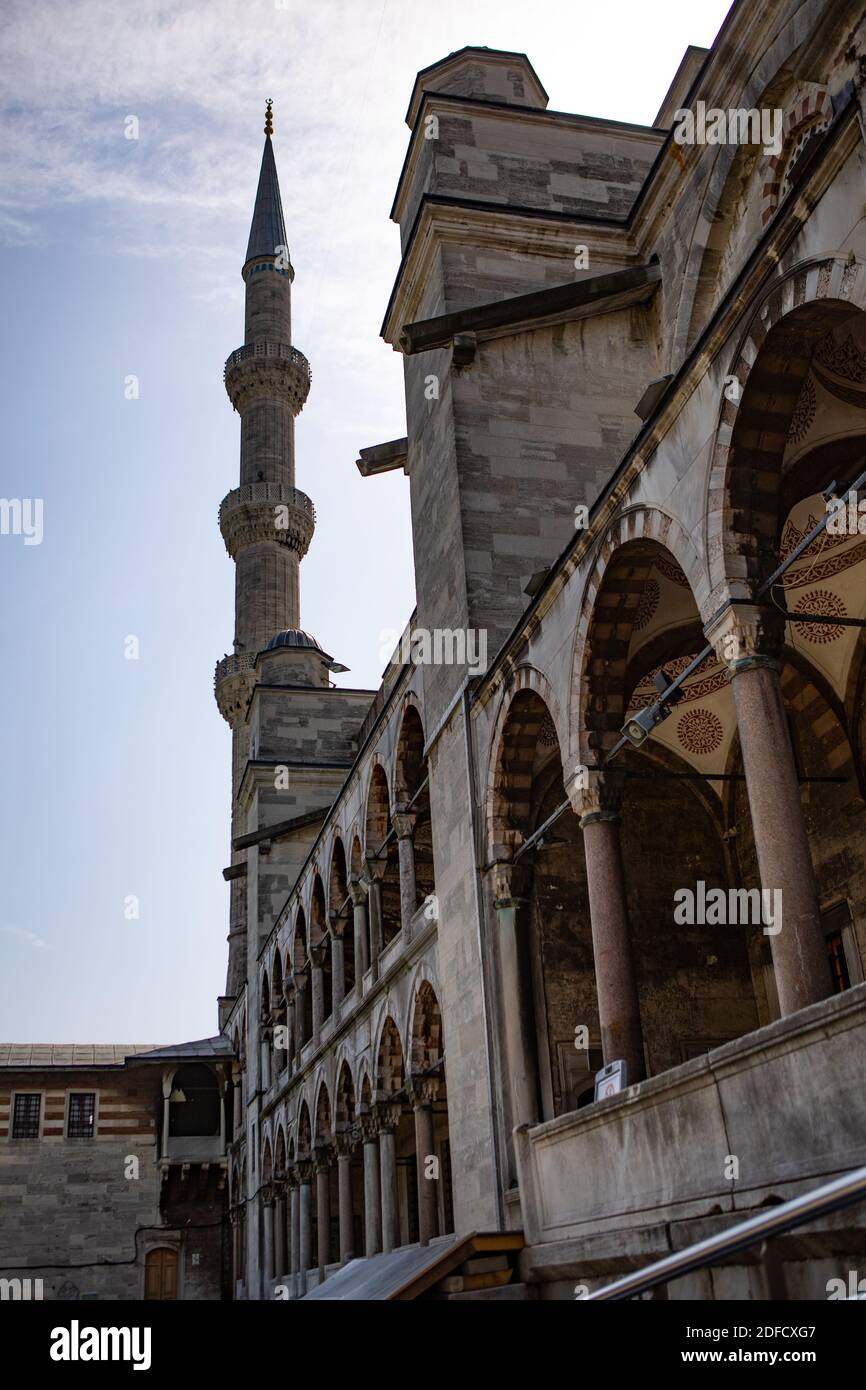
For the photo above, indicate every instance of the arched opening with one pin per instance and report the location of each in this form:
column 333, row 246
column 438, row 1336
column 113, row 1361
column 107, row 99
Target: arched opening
column 356, row 876
column 430, row 1090
column 320, row 946
column 278, row 1014
column 693, row 968
column 340, row 905
column 345, row 1121
column 382, row 855
column 781, row 475
column 391, row 1093
column 412, row 793
column 302, row 979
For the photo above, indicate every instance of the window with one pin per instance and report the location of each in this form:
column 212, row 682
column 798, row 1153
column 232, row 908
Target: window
column 25, row 1116
column 82, row 1114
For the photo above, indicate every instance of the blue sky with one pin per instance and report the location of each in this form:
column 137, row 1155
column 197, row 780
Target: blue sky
column 122, row 257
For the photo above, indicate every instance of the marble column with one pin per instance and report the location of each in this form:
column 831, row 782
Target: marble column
column 295, row 1240
column 305, row 1236
column 387, row 1119
column 372, row 879
column 359, row 913
column 291, row 1024
column 317, row 961
column 302, row 984
column 747, row 639
column 280, row 1265
column 237, row 1112
column 338, row 960
column 615, row 976
column 404, row 827
column 521, row 1044
column 372, row 1191
column 423, row 1093
column 266, row 1055
column 268, row 1218
column 323, row 1208
column 344, row 1188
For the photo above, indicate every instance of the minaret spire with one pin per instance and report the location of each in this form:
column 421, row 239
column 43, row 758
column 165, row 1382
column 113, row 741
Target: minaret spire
column 266, row 523
column 269, row 118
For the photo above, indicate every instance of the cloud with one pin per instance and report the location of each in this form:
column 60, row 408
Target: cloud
column 35, row 941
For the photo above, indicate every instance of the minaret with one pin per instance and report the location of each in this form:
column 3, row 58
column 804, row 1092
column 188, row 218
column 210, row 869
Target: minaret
column 266, row 523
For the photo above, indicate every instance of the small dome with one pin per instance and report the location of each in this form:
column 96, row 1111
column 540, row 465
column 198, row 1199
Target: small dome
column 293, row 637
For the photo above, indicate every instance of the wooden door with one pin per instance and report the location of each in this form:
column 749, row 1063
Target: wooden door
column 160, row 1274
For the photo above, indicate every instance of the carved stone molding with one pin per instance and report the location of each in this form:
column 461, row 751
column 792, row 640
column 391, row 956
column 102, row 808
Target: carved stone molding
column 234, row 681
column 745, row 634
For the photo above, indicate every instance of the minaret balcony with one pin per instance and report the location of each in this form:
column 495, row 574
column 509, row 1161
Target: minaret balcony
column 233, row 682
column 270, row 370
column 260, row 512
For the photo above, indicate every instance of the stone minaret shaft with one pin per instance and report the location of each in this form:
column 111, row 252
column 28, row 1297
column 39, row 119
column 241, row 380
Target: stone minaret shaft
column 266, row 523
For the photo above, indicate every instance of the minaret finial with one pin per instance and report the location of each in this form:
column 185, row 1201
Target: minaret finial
column 269, row 118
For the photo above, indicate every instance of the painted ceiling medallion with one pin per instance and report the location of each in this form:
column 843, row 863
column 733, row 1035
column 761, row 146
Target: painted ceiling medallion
column 649, row 602
column 822, row 601
column 804, row 412
column 700, row 731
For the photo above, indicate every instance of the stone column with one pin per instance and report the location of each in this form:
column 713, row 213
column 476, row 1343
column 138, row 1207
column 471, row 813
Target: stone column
column 295, row 1241
column 372, row 879
column 305, row 1235
column 521, row 1044
column 344, row 1187
column 323, row 1208
column 338, row 960
column 291, row 1033
column 302, row 983
column 387, row 1119
column 266, row 1055
column 372, row 1190
column 268, row 1216
column 237, row 1112
column 280, row 1266
column 317, row 959
column 359, row 910
column 423, row 1093
column 404, row 827
column 747, row 639
column 615, row 977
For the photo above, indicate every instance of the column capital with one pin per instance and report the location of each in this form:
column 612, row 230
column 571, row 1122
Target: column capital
column 422, row 1090
column 745, row 636
column 289, row 990
column 357, row 892
column 404, row 823
column 343, row 1143
column 506, row 881
column 322, row 1156
column 337, row 924
column 304, row 1169
column 301, row 979
column 318, row 953
column 386, row 1116
column 374, row 871
column 268, row 1194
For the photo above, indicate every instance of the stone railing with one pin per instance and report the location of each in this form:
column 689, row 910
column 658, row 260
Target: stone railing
column 283, row 351
column 260, row 512
column 267, row 492
column 232, row 666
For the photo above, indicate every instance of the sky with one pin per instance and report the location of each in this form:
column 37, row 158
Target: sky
column 120, row 259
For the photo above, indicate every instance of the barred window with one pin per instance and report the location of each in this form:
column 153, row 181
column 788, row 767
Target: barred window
column 25, row 1117
column 82, row 1111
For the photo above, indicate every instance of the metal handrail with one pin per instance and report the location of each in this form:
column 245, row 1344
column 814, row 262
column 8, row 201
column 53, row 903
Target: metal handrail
column 833, row 1196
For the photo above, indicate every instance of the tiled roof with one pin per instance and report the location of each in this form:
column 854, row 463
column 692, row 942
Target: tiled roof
column 69, row 1054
